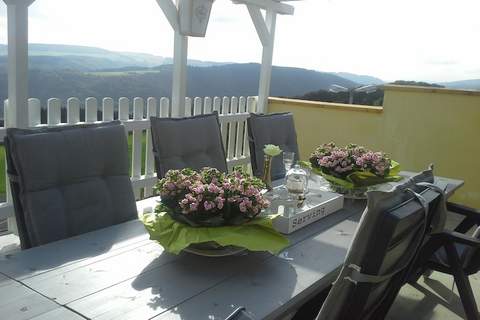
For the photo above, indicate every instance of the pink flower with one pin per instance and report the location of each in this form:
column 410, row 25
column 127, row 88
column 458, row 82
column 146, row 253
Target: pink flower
column 250, row 191
column 242, row 207
column 208, row 205
column 198, row 189
column 220, row 205
column 213, row 188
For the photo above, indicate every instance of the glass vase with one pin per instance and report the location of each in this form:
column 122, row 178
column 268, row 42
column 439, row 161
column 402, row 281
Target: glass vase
column 267, row 172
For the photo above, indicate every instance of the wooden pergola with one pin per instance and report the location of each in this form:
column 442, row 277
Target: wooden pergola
column 17, row 11
column 265, row 27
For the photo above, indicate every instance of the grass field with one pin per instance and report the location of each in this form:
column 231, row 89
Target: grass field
column 2, row 162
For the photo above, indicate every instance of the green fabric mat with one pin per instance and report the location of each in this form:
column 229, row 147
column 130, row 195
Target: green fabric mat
column 256, row 235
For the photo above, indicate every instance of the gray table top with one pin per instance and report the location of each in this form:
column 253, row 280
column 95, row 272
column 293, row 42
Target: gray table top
column 118, row 273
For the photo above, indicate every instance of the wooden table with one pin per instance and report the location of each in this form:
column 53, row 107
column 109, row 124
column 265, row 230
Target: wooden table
column 118, row 273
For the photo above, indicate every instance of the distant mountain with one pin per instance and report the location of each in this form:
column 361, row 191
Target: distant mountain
column 473, row 84
column 82, row 58
column 360, row 79
column 225, row 80
column 416, row 84
column 64, row 71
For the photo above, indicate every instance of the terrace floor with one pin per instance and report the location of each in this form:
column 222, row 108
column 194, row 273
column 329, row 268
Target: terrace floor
column 432, row 299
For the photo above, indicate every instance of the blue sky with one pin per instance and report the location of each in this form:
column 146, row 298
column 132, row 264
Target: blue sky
column 431, row 40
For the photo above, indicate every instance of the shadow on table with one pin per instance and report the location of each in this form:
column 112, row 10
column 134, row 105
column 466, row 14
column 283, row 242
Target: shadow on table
column 194, row 287
column 67, row 251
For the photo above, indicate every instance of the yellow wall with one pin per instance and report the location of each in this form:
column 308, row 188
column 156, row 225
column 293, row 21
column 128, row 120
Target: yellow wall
column 416, row 126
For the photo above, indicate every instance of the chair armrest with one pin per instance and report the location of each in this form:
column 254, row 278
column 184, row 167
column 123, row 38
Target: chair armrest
column 456, row 237
column 464, row 211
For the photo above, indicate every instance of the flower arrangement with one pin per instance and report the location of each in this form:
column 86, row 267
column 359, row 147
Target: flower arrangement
column 353, row 166
column 210, row 197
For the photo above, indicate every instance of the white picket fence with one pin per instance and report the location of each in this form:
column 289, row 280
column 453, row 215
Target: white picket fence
column 233, row 113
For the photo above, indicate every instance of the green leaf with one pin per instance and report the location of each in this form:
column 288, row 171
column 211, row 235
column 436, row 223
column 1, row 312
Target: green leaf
column 256, row 235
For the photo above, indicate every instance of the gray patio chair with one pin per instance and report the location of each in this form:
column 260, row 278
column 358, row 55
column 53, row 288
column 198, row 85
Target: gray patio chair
column 456, row 253
column 68, row 180
column 385, row 246
column 274, row 128
column 193, row 142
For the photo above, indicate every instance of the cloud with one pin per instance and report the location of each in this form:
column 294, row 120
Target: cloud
column 409, row 39
column 442, row 62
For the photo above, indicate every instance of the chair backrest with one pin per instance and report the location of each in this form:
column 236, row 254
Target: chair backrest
column 192, row 142
column 68, row 180
column 385, row 245
column 274, row 128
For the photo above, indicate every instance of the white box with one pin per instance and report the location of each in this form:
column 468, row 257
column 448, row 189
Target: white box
column 317, row 206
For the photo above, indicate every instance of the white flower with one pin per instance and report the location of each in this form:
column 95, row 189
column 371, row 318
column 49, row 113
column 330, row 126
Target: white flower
column 272, row 150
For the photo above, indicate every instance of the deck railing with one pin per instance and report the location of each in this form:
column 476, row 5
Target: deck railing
column 135, row 114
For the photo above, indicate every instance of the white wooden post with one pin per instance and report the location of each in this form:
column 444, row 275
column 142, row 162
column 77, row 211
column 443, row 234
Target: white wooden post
column 267, row 60
column 180, row 56
column 73, row 110
column 138, row 110
column 179, row 77
column 17, row 16
column 34, row 112
column 149, row 157
column 17, row 11
column 107, row 109
column 54, row 109
column 91, row 110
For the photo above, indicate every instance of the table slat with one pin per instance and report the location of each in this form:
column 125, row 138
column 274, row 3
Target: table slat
column 86, row 280
column 18, row 302
column 27, row 263
column 162, row 288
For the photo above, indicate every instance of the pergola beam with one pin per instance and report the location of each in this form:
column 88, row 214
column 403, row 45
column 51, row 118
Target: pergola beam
column 267, row 63
column 265, row 28
column 259, row 23
column 170, row 11
column 180, row 58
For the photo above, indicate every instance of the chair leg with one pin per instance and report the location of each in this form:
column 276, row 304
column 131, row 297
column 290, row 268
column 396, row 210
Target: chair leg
column 464, row 287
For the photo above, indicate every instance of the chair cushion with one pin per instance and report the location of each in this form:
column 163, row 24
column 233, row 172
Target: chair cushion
column 274, row 128
column 69, row 180
column 386, row 242
column 438, row 216
column 192, row 142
